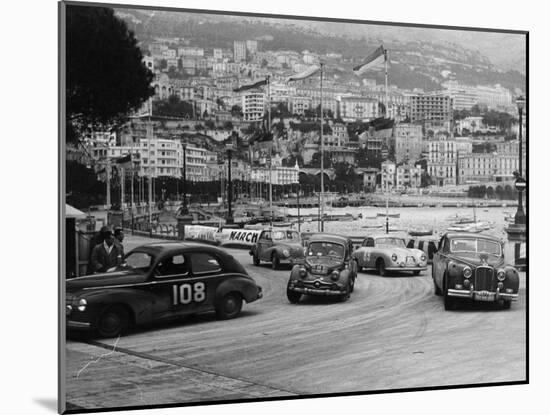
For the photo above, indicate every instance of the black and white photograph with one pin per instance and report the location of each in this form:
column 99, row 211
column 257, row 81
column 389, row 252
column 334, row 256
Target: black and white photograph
column 261, row 207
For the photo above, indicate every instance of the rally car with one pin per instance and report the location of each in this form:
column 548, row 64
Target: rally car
column 328, row 269
column 385, row 253
column 472, row 267
column 278, row 246
column 159, row 281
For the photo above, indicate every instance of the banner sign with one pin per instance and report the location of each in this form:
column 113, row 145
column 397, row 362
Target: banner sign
column 201, row 233
column 224, row 237
column 238, row 237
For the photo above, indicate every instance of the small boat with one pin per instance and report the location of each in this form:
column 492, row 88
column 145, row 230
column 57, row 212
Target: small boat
column 390, row 215
column 421, row 232
column 374, row 226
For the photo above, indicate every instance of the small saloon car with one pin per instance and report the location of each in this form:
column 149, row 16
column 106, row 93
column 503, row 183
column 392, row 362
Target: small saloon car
column 159, row 281
column 385, row 253
column 328, row 269
column 278, row 246
column 467, row 266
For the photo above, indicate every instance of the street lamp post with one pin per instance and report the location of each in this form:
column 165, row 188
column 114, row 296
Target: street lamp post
column 229, row 220
column 520, row 214
column 184, row 174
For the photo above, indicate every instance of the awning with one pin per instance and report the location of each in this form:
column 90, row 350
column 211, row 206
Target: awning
column 71, row 212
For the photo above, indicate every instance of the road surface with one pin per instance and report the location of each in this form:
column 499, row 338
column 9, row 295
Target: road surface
column 392, row 333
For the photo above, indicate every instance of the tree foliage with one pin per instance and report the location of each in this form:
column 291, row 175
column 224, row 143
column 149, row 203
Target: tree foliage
column 173, row 107
column 106, row 78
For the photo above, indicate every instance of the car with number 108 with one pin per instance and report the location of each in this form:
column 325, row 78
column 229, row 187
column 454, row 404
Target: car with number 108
column 159, row 281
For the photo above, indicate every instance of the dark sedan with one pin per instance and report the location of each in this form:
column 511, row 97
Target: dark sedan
column 159, row 281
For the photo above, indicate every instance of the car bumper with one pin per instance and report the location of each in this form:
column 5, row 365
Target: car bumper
column 483, row 295
column 317, row 291
column 406, row 269
column 78, row 325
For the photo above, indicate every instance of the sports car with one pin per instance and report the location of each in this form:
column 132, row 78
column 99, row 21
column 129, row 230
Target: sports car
column 386, row 253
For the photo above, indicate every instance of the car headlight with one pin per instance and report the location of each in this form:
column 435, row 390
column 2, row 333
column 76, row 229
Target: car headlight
column 501, row 275
column 467, row 272
column 286, row 253
column 82, row 303
column 423, row 257
column 394, row 257
column 335, row 275
column 303, row 272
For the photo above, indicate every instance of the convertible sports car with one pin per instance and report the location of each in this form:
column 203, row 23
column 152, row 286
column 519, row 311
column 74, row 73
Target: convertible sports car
column 159, row 281
column 386, row 253
column 468, row 266
column 328, row 269
column 278, row 246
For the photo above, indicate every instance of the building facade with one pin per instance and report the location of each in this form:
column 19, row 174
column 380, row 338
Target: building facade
column 408, row 142
column 442, row 162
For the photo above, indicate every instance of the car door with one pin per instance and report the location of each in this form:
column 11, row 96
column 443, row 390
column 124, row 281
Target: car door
column 439, row 263
column 368, row 245
column 167, row 276
column 207, row 272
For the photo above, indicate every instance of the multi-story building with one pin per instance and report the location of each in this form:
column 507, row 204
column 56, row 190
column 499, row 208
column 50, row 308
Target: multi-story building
column 477, row 167
column 252, row 46
column 442, row 162
column 239, row 51
column 190, row 51
column 408, row 142
column 217, row 54
column 342, row 155
column 369, row 178
column 434, row 111
column 298, row 105
column 340, row 132
column 494, row 97
column 388, row 170
column 407, row 176
column 253, row 105
column 464, row 96
column 354, row 108
column 149, row 63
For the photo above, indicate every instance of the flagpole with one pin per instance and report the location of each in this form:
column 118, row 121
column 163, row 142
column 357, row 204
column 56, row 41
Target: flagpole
column 270, row 152
column 321, row 207
column 108, row 172
column 386, row 115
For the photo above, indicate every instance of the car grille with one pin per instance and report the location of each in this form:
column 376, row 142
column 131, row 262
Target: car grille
column 484, row 278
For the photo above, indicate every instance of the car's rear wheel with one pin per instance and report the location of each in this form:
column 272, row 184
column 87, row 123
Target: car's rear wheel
column 229, row 306
column 381, row 267
column 275, row 262
column 293, row 296
column 255, row 260
column 113, row 321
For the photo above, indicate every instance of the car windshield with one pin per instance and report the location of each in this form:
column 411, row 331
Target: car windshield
column 288, row 235
column 138, row 261
column 390, row 243
column 480, row 246
column 331, row 249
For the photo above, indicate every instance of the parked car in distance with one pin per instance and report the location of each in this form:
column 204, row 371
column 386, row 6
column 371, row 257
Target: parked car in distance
column 278, row 246
column 387, row 253
column 159, row 281
column 471, row 266
column 328, row 269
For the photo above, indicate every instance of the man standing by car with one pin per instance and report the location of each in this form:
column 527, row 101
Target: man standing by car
column 119, row 237
column 106, row 255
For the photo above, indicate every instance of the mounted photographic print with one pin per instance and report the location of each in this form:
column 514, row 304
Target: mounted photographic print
column 269, row 207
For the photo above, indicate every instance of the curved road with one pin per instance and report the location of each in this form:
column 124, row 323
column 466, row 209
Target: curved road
column 392, row 333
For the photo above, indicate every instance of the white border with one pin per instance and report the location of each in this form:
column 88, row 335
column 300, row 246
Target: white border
column 29, row 203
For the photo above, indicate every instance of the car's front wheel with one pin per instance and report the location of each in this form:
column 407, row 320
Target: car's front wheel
column 293, row 296
column 275, row 261
column 113, row 321
column 381, row 267
column 229, row 306
column 347, row 292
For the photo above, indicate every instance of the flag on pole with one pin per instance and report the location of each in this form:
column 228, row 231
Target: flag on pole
column 251, row 86
column 124, row 162
column 312, row 70
column 374, row 59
